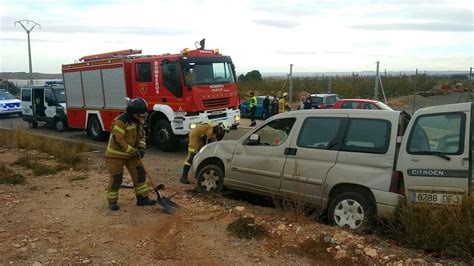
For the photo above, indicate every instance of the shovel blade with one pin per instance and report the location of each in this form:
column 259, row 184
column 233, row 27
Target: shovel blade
column 167, row 208
column 169, row 202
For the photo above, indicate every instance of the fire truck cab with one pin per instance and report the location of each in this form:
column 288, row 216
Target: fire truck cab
column 182, row 91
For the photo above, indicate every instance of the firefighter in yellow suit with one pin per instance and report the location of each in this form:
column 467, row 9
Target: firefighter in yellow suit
column 126, row 148
column 198, row 137
column 283, row 104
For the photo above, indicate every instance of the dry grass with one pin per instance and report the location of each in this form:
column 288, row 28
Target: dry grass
column 447, row 231
column 37, row 167
column 7, row 176
column 65, row 151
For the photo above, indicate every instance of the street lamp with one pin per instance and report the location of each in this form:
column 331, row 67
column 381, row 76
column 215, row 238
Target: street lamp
column 28, row 30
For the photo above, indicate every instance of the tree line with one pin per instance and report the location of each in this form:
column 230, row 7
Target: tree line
column 349, row 86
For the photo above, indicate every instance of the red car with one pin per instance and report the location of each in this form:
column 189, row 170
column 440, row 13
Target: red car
column 361, row 104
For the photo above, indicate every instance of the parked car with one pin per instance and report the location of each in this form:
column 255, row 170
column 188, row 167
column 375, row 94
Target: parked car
column 323, row 101
column 44, row 105
column 9, row 104
column 326, row 158
column 245, row 108
column 361, row 104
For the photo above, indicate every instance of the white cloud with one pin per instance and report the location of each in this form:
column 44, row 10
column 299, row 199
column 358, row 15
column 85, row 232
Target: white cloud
column 264, row 35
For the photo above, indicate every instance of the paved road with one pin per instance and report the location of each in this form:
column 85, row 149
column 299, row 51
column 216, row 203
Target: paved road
column 13, row 121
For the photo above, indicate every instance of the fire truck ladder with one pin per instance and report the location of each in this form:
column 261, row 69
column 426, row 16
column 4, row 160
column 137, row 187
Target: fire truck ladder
column 120, row 53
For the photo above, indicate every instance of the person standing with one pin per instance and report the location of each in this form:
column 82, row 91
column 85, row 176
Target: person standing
column 253, row 108
column 198, row 137
column 283, row 104
column 308, row 102
column 126, row 147
column 266, row 107
column 275, row 105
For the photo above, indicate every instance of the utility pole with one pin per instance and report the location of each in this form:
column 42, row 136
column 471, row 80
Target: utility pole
column 28, row 30
column 291, row 82
column 376, row 89
column 469, row 85
column 414, row 92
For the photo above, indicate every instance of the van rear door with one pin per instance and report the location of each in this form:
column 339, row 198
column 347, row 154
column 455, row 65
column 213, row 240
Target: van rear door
column 435, row 155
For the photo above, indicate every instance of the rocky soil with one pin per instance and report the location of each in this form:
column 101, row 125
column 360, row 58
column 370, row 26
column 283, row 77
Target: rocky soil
column 63, row 219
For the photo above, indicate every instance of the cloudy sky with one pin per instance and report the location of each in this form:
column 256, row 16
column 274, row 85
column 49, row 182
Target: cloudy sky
column 315, row 36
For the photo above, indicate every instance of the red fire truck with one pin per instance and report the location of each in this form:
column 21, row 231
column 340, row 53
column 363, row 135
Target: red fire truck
column 182, row 91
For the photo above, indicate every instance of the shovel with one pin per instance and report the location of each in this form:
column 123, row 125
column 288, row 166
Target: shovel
column 168, row 205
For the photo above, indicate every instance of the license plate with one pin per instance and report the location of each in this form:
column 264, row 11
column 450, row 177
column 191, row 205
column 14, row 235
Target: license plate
column 436, row 198
column 216, row 113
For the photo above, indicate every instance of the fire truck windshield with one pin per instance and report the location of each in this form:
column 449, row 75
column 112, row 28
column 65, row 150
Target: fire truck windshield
column 201, row 73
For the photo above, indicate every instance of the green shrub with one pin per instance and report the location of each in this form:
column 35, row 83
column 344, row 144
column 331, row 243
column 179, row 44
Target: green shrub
column 245, row 227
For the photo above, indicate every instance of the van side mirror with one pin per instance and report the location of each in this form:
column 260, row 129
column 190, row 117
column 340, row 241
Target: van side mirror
column 253, row 140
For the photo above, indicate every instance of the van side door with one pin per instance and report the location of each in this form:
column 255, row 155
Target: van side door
column 310, row 156
column 258, row 166
column 435, row 155
column 50, row 105
column 26, row 103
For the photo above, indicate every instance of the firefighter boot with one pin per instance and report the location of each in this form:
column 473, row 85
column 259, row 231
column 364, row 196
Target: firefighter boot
column 113, row 206
column 184, row 180
column 184, row 177
column 145, row 201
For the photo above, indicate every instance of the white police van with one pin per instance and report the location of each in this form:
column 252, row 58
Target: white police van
column 44, row 105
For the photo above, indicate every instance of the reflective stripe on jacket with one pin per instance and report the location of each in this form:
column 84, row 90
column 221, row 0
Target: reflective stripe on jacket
column 125, row 138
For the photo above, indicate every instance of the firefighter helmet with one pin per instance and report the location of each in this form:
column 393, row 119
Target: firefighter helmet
column 137, row 106
column 224, row 126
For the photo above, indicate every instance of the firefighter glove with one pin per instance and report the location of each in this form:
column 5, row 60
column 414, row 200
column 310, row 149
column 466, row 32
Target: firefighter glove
column 140, row 153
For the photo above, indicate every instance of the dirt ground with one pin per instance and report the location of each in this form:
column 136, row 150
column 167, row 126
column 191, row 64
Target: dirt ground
column 63, row 219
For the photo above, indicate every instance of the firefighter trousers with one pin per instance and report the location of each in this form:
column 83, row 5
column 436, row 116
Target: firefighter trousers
column 137, row 172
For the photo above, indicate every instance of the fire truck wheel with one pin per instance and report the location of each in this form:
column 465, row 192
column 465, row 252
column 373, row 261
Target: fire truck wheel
column 94, row 129
column 164, row 137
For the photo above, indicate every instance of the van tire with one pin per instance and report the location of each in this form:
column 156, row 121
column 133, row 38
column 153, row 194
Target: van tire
column 164, row 137
column 352, row 210
column 211, row 178
column 59, row 125
column 94, row 129
column 33, row 124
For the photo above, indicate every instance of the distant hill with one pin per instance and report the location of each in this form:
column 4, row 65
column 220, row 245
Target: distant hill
column 26, row 76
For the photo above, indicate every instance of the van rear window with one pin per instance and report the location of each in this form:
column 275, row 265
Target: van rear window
column 367, row 135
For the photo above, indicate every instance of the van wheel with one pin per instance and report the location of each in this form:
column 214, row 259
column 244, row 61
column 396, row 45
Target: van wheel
column 94, row 129
column 163, row 136
column 211, row 178
column 59, row 125
column 33, row 124
column 350, row 209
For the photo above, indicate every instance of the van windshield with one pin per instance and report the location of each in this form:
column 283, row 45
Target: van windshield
column 60, row 95
column 5, row 95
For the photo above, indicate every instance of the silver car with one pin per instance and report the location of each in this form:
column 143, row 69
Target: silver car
column 357, row 165
column 341, row 160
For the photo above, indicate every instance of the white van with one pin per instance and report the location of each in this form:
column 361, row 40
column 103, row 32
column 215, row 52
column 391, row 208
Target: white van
column 356, row 164
column 44, row 105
